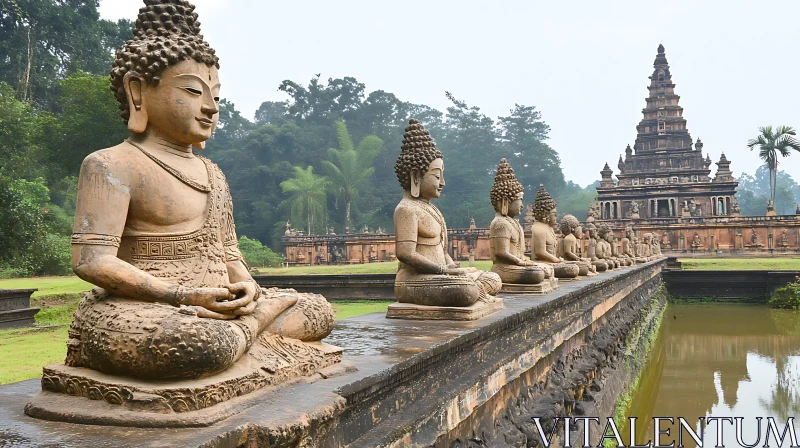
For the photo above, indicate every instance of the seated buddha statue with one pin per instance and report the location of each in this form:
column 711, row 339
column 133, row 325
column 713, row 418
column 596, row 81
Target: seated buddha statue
column 154, row 231
column 614, row 242
column 426, row 275
column 507, row 238
column 544, row 237
column 645, row 247
column 599, row 263
column 629, row 246
column 604, row 247
column 569, row 246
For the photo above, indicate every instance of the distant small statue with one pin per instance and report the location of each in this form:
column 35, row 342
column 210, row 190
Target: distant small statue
column 544, row 237
column 754, row 237
column 372, row 255
column 634, row 208
column 696, row 242
column 591, row 250
column 665, row 242
column 784, row 242
column 736, row 209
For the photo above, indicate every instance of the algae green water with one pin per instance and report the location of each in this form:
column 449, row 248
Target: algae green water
column 720, row 360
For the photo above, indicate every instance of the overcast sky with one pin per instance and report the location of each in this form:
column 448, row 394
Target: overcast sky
column 583, row 64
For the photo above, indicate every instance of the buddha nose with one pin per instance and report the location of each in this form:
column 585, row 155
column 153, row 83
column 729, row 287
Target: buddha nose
column 209, row 109
column 441, row 181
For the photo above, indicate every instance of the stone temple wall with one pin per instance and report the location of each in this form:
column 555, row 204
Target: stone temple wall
column 752, row 235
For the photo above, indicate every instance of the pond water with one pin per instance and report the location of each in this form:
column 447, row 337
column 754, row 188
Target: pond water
column 720, row 360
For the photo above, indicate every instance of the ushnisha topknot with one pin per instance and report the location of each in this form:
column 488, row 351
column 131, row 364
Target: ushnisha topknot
column 506, row 185
column 417, row 152
column 166, row 32
column 568, row 224
column 543, row 204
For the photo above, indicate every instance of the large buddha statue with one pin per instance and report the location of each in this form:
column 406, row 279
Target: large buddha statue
column 154, row 231
column 594, row 249
column 569, row 246
column 544, row 236
column 429, row 285
column 507, row 239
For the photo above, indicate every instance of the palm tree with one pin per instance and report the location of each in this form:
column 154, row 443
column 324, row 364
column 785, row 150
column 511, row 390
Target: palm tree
column 307, row 192
column 771, row 144
column 350, row 168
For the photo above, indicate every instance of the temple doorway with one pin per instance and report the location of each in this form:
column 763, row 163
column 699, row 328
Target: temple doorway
column 663, row 208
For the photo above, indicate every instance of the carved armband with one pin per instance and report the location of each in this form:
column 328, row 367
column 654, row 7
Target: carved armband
column 95, row 239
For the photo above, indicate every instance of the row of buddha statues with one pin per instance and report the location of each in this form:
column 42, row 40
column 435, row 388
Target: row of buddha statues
column 176, row 324
column 428, row 281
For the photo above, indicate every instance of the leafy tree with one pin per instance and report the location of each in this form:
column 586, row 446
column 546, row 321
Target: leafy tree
column 349, row 169
column 272, row 112
column 88, row 120
column 40, row 40
column 754, row 192
column 307, row 196
column 21, row 227
column 20, row 136
column 772, row 144
column 258, row 255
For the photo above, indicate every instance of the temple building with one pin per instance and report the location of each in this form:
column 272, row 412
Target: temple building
column 664, row 175
column 664, row 185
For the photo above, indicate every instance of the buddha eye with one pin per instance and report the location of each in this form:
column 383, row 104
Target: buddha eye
column 192, row 91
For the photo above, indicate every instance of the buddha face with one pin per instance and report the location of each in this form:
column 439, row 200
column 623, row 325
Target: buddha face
column 551, row 218
column 432, row 181
column 183, row 108
column 593, row 233
column 577, row 232
column 515, row 207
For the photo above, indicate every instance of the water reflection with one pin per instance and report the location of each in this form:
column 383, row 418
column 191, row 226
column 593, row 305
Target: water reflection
column 722, row 361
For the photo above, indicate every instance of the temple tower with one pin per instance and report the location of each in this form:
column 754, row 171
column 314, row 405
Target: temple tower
column 664, row 174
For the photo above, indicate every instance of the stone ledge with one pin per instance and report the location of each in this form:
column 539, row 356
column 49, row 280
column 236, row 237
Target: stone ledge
column 425, row 377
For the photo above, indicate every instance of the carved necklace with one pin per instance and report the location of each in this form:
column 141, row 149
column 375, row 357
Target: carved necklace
column 516, row 225
column 175, row 173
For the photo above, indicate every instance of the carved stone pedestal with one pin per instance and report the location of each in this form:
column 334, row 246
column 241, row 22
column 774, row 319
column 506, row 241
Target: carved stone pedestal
column 423, row 312
column 86, row 396
column 544, row 287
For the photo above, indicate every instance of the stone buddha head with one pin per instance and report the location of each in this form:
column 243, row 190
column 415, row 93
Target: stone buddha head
column 606, row 233
column 544, row 207
column 506, row 193
column 420, row 166
column 571, row 226
column 166, row 78
column 592, row 229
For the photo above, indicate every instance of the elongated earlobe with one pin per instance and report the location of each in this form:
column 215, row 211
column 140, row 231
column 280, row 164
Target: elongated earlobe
column 415, row 183
column 504, row 207
column 137, row 121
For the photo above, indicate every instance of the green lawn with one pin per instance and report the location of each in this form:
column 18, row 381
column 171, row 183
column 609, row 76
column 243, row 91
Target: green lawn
column 366, row 268
column 732, row 264
column 47, row 286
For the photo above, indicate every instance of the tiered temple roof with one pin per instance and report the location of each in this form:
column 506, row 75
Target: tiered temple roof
column 664, row 173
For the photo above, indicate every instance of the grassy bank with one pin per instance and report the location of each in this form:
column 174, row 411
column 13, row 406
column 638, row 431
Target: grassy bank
column 735, row 264
column 48, row 286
